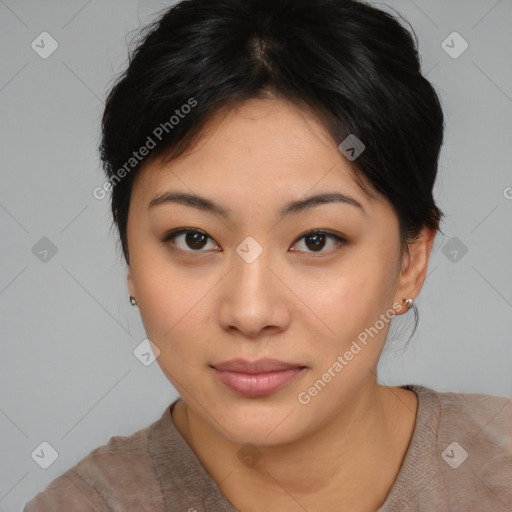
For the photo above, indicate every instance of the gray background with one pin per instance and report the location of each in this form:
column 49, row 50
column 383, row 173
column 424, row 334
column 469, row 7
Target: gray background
column 68, row 373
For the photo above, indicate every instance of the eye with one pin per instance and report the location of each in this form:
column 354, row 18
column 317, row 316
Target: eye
column 188, row 240
column 316, row 241
column 194, row 240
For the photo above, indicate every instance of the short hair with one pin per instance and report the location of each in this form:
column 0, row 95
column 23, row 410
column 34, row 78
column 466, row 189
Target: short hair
column 352, row 65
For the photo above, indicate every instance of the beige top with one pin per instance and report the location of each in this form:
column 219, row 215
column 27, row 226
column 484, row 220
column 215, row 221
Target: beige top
column 459, row 458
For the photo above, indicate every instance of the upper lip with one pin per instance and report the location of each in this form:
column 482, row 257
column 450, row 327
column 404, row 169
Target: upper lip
column 260, row 366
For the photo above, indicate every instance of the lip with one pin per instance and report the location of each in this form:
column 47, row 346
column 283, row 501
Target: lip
column 258, row 378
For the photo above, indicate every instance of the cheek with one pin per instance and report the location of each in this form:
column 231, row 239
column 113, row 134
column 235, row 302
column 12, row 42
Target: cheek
column 174, row 311
column 352, row 301
column 343, row 361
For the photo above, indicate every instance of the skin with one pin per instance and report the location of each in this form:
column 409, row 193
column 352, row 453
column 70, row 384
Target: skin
column 293, row 303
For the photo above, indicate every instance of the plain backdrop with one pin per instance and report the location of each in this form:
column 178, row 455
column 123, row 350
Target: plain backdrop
column 69, row 376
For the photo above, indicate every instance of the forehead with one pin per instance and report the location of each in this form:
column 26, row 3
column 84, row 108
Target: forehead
column 265, row 147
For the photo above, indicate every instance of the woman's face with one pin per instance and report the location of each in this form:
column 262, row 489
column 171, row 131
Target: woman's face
column 250, row 283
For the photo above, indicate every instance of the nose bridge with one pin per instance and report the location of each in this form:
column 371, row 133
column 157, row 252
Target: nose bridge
column 250, row 274
column 250, row 302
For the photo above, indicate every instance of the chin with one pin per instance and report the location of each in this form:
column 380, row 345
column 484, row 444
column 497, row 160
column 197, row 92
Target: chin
column 262, row 423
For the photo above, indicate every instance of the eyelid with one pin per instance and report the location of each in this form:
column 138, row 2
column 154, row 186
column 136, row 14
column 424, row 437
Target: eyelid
column 173, row 233
column 179, row 231
column 321, row 231
column 338, row 238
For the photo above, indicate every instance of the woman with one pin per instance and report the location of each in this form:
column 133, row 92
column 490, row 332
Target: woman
column 271, row 166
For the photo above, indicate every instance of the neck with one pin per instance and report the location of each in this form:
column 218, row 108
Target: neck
column 353, row 459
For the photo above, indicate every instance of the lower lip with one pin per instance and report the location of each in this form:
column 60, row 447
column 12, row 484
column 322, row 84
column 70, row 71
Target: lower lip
column 257, row 384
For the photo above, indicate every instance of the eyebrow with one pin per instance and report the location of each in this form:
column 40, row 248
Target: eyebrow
column 293, row 207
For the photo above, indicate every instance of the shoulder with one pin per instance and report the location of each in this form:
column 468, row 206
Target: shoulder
column 482, row 421
column 475, row 406
column 473, row 447
column 113, row 476
column 475, row 415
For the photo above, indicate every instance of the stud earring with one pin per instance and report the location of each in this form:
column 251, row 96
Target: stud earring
column 412, row 305
column 133, row 302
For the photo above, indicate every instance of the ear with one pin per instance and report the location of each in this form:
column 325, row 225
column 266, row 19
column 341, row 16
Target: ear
column 414, row 267
column 131, row 287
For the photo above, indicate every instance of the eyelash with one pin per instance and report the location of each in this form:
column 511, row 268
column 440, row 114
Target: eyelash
column 337, row 238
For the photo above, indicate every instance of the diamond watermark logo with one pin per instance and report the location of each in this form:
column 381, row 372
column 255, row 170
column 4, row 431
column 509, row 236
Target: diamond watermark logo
column 454, row 249
column 249, row 250
column 351, row 147
column 146, row 352
column 454, row 455
column 249, row 455
column 44, row 250
column 44, row 45
column 44, row 455
column 454, row 45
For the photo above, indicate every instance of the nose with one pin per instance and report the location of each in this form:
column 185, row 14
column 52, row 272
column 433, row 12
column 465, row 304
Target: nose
column 253, row 299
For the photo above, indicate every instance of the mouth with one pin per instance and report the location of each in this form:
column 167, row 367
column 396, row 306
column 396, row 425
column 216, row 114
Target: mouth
column 258, row 378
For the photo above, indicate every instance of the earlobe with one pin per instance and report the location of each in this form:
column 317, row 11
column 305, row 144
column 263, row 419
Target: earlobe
column 414, row 270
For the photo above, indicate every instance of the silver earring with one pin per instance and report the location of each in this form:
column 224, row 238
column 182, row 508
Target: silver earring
column 133, row 302
column 412, row 305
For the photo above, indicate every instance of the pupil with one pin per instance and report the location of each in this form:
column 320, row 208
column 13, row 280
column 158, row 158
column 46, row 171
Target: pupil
column 318, row 241
column 194, row 240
